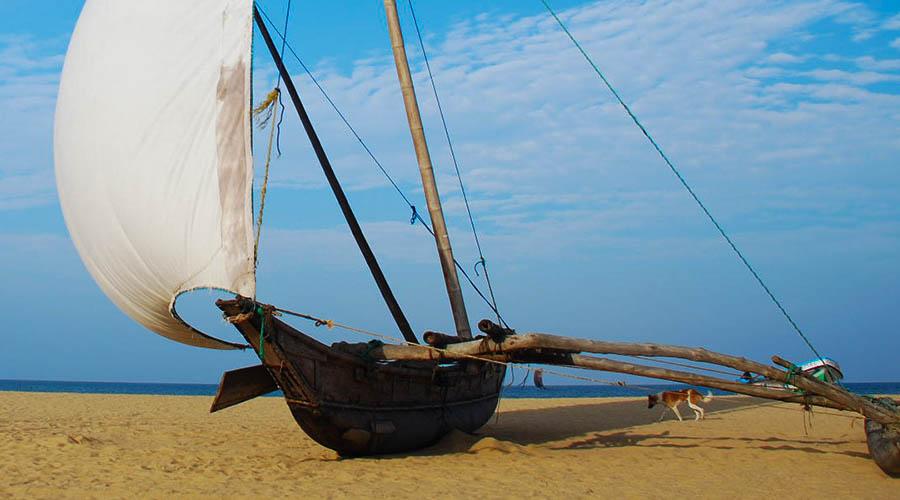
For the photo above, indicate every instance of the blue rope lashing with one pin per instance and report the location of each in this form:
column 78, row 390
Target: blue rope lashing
column 287, row 17
column 483, row 264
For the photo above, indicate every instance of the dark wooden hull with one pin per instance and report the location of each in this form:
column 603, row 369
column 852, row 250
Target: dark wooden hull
column 358, row 406
column 884, row 443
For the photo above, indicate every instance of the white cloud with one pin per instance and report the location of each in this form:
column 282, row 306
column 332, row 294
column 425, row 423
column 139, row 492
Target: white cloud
column 537, row 133
column 857, row 78
column 892, row 23
column 785, row 58
column 799, row 163
column 28, row 82
column 863, row 35
column 873, row 64
column 896, row 43
column 542, row 143
column 26, row 191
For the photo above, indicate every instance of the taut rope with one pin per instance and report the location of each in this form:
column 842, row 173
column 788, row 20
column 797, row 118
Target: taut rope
column 681, row 179
column 264, row 114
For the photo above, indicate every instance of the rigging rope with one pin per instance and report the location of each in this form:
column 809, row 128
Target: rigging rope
column 264, row 114
column 287, row 17
column 415, row 213
column 683, row 365
column 263, row 317
column 462, row 188
column 682, row 180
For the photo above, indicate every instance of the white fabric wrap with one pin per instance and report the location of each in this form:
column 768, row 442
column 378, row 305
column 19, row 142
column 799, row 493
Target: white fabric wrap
column 153, row 154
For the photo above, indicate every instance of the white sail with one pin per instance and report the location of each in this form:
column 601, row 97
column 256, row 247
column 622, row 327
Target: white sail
column 153, row 154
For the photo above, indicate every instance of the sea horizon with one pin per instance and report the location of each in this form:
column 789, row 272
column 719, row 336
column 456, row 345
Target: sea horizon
column 511, row 391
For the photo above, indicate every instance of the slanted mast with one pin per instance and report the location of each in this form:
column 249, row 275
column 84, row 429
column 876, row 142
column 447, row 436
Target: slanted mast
column 358, row 235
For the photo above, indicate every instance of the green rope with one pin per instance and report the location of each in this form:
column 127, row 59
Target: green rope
column 682, row 180
column 792, row 373
column 262, row 331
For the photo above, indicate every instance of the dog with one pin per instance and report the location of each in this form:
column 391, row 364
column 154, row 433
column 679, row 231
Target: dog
column 673, row 399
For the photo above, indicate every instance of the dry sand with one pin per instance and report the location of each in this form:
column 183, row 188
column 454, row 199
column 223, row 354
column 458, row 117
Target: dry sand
column 66, row 445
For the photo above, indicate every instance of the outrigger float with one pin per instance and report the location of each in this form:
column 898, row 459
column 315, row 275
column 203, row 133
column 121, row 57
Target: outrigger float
column 154, row 167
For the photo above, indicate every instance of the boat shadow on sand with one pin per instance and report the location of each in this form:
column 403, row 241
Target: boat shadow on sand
column 610, row 425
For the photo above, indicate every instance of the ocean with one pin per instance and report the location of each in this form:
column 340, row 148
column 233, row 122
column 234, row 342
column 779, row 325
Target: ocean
column 514, row 391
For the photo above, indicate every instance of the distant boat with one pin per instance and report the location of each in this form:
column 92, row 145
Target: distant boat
column 825, row 370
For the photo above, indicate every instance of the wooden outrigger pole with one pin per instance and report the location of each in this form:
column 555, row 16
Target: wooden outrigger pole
column 566, row 351
column 442, row 239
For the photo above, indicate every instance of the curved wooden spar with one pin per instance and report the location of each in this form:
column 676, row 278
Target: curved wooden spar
column 542, row 341
column 394, row 352
column 557, row 350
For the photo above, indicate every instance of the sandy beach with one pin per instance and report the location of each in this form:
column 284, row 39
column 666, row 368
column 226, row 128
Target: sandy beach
column 73, row 445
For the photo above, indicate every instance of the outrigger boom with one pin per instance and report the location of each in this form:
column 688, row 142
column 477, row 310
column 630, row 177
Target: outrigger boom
column 540, row 348
column 490, row 354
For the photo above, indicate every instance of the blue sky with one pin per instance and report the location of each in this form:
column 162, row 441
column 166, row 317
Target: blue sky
column 783, row 115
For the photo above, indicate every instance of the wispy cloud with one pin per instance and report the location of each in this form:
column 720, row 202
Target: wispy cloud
column 14, row 246
column 784, row 58
column 785, row 117
column 871, row 63
column 537, row 134
column 892, row 23
column 861, row 79
column 29, row 77
column 26, row 191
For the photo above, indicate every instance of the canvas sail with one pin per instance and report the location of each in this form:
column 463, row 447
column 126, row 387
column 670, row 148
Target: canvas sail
column 153, row 153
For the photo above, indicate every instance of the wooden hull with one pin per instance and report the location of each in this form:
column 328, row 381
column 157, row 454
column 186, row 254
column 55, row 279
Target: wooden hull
column 359, row 406
column 884, row 443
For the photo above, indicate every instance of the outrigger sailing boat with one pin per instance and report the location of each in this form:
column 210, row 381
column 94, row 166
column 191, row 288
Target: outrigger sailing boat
column 155, row 170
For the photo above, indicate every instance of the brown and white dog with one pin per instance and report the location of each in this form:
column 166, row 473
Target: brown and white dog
column 673, row 399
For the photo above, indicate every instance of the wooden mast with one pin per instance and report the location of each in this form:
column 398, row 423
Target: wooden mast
column 442, row 239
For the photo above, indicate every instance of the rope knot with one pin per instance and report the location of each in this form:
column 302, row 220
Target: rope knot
column 263, row 115
column 263, row 111
column 328, row 323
